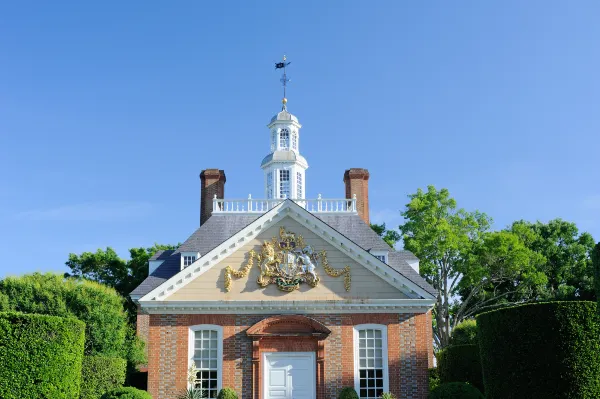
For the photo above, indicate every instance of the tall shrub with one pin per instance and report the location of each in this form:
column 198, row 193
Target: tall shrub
column 40, row 356
column 100, row 374
column 465, row 333
column 546, row 350
column 99, row 307
column 460, row 363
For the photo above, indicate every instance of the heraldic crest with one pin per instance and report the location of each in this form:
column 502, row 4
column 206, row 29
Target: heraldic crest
column 287, row 261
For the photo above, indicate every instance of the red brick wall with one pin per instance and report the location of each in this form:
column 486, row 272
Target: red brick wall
column 409, row 352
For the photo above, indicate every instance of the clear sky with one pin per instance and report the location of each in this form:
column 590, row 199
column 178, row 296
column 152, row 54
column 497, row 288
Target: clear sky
column 109, row 111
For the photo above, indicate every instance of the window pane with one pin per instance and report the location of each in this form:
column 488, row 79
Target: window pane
column 371, row 367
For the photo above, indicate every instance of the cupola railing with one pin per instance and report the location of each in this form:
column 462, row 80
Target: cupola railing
column 252, row 205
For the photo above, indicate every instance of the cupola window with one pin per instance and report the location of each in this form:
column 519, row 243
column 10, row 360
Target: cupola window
column 270, row 185
column 284, row 184
column 284, row 139
column 295, row 141
column 299, row 184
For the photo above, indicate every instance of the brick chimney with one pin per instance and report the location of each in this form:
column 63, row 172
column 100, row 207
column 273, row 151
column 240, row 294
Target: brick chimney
column 356, row 181
column 212, row 181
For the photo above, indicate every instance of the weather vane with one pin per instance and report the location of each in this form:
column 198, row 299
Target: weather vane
column 284, row 80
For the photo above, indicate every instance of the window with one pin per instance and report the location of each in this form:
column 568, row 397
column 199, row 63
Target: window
column 284, row 184
column 370, row 360
column 273, row 141
column 270, row 185
column 299, row 184
column 284, row 139
column 381, row 255
column 206, row 352
column 295, row 140
column 188, row 260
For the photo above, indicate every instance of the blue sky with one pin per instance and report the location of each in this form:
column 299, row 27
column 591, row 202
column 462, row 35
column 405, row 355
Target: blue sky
column 110, row 110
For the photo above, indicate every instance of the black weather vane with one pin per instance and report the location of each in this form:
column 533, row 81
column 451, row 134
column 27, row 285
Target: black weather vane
column 284, row 80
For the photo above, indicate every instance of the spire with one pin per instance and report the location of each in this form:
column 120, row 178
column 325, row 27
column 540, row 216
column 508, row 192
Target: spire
column 284, row 80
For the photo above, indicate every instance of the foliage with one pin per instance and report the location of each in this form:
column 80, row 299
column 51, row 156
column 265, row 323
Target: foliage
column 227, row 393
column 391, row 237
column 456, row 390
column 387, row 395
column 191, row 393
column 465, row 333
column 460, row 363
column 545, row 350
column 100, row 374
column 106, row 267
column 348, row 393
column 126, row 393
column 458, row 255
column 596, row 263
column 40, row 356
column 566, row 263
column 107, row 331
column 434, row 378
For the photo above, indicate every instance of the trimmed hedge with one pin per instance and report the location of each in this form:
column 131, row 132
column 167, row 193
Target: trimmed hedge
column 227, row 393
column 545, row 350
column 348, row 393
column 126, row 393
column 40, row 356
column 100, row 374
column 460, row 363
column 465, row 333
column 456, row 390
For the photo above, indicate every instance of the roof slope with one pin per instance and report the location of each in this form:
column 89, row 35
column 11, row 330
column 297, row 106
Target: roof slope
column 219, row 228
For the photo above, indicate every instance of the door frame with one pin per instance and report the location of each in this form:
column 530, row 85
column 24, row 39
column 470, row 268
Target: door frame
column 267, row 355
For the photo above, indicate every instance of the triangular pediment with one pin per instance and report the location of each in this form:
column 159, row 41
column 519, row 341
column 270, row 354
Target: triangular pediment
column 232, row 271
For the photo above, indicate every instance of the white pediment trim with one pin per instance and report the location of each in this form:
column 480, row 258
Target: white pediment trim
column 289, row 307
column 273, row 216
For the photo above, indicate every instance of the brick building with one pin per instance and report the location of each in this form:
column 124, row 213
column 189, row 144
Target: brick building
column 286, row 297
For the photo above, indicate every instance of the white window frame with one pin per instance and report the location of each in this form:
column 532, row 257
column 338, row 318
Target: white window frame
column 381, row 255
column 294, row 140
column 384, row 354
column 299, row 185
column 270, row 190
column 284, row 145
column 191, row 348
column 282, row 184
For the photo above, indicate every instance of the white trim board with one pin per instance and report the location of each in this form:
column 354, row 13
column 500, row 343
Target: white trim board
column 289, row 307
column 308, row 220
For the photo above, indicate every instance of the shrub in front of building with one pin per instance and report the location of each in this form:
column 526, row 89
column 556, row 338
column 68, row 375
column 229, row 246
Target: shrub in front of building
column 460, row 363
column 100, row 374
column 465, row 333
column 348, row 393
column 227, row 393
column 40, row 356
column 545, row 350
column 126, row 393
column 456, row 390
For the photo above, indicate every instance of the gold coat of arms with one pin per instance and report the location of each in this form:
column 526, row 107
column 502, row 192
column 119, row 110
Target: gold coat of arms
column 287, row 261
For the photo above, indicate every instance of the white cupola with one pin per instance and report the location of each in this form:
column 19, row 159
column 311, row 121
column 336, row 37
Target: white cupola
column 284, row 167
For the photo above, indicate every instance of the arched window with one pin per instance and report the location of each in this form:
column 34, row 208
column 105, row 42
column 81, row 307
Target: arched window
column 284, row 139
column 206, row 353
column 370, row 360
column 294, row 140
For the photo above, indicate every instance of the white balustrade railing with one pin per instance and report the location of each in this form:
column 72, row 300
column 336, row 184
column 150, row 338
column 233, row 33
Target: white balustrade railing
column 251, row 205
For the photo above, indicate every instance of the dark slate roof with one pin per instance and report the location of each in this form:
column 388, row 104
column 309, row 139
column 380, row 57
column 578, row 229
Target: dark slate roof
column 218, row 229
column 162, row 254
column 208, row 236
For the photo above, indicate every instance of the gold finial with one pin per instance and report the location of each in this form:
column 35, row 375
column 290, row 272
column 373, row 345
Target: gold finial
column 284, row 101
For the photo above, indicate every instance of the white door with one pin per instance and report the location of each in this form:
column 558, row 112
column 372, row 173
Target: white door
column 289, row 375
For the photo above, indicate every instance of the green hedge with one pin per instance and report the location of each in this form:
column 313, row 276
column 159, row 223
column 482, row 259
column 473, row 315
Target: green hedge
column 460, row 363
column 100, row 374
column 127, row 393
column 465, row 333
column 348, row 393
column 227, row 393
column 546, row 350
column 456, row 390
column 40, row 356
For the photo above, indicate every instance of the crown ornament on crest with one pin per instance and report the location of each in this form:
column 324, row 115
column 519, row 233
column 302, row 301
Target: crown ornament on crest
column 287, row 261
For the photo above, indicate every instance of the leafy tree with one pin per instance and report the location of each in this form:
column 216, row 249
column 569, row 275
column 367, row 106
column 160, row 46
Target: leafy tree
column 106, row 267
column 596, row 262
column 107, row 331
column 389, row 236
column 459, row 256
column 567, row 258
